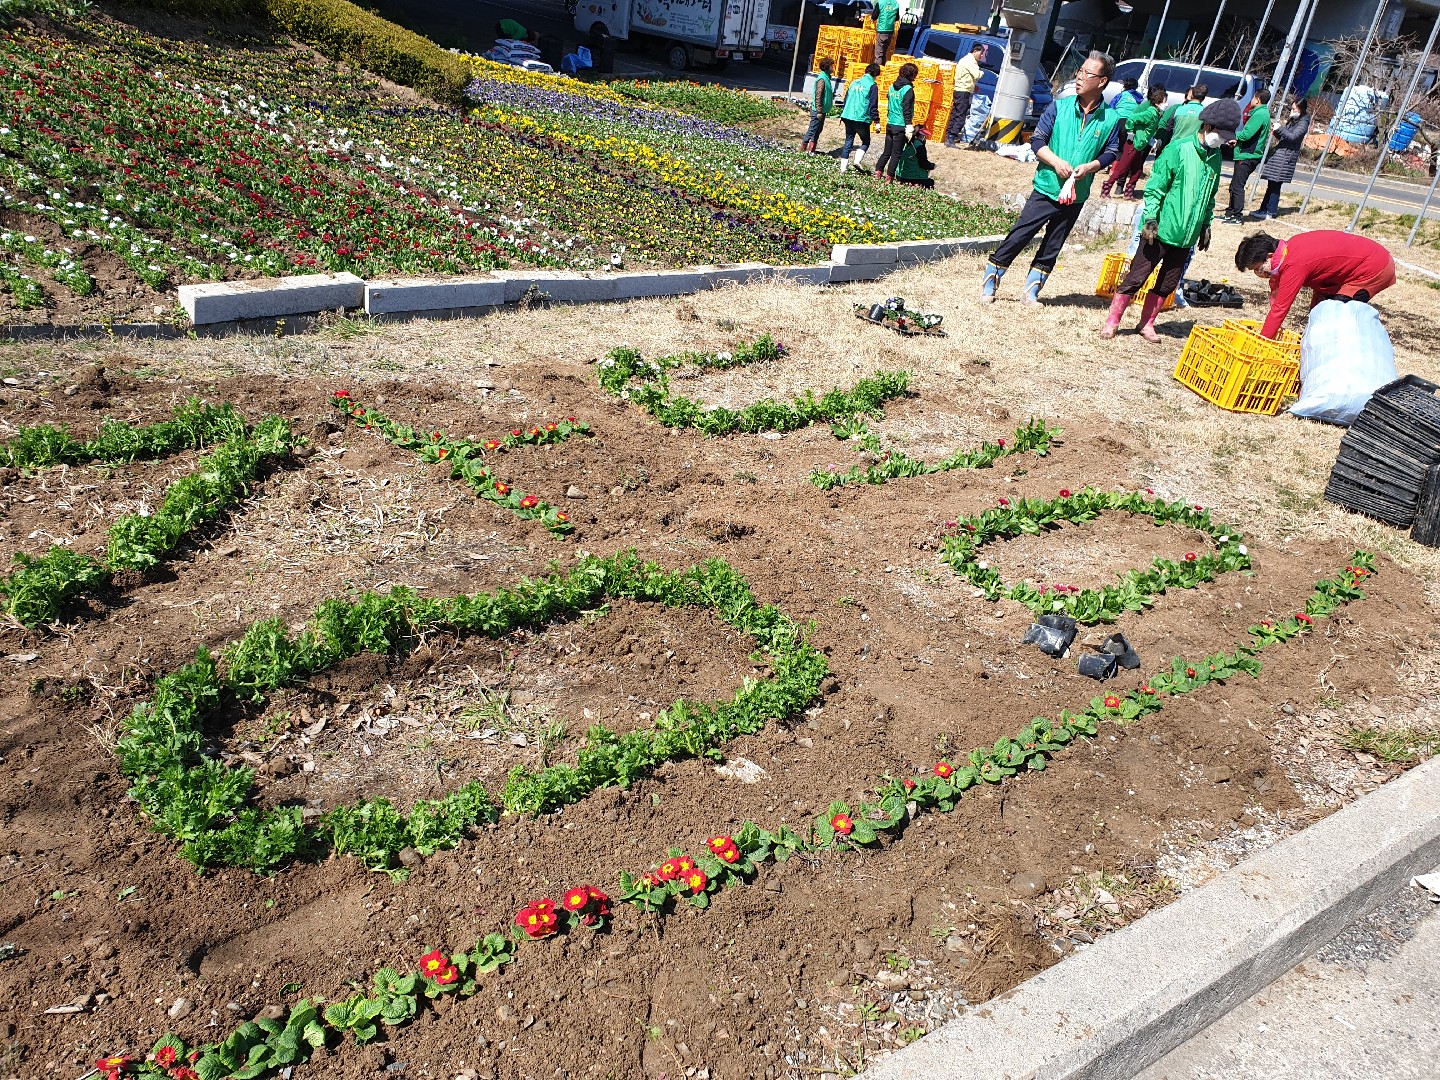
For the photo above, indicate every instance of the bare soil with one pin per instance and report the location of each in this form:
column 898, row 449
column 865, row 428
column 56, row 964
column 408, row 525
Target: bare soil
column 777, row 978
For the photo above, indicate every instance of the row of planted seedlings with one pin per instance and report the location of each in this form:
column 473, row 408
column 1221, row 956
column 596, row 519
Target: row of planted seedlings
column 39, row 588
column 257, row 1048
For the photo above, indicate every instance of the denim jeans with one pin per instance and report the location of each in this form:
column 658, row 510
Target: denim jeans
column 817, row 122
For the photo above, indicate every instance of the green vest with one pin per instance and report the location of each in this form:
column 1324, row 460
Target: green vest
column 909, row 166
column 857, row 99
column 887, row 16
column 895, row 110
column 826, row 90
column 1077, row 139
column 1187, row 121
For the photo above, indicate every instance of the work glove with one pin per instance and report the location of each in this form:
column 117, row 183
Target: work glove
column 1151, row 232
column 909, row 131
column 1205, row 238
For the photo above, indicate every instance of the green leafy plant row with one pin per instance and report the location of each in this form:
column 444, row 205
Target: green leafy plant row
column 708, row 100
column 195, row 424
column 263, row 1046
column 1034, row 437
column 38, row 589
column 467, row 458
column 965, row 539
column 629, row 376
column 258, row 1047
column 202, row 803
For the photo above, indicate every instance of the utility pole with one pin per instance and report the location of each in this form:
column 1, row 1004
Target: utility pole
column 1027, row 20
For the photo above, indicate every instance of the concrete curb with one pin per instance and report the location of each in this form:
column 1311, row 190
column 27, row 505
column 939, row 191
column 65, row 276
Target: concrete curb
column 1111, row 1010
column 237, row 303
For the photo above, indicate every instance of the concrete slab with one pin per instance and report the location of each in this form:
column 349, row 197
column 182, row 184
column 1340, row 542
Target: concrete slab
column 860, row 254
column 269, row 298
column 658, row 283
column 409, row 294
column 1111, row 1010
column 562, row 286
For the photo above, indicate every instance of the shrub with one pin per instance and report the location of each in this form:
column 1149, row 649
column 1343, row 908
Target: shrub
column 341, row 31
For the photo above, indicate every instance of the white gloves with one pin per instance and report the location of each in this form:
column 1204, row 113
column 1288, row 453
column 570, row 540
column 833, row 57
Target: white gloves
column 1067, row 192
column 909, row 131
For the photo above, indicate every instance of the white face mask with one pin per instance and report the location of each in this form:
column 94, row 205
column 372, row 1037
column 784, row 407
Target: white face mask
column 1213, row 140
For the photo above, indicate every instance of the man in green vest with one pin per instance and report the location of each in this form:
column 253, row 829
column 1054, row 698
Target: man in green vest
column 887, row 15
column 862, row 108
column 1249, row 145
column 820, row 101
column 1075, row 138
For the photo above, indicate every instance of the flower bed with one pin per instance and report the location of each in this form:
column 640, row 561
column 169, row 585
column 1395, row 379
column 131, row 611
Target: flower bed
column 724, row 860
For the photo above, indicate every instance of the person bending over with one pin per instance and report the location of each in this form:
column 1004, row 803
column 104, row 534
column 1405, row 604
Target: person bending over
column 1332, row 265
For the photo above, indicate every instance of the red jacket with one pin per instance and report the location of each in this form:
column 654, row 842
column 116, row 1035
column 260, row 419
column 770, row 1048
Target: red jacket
column 1329, row 264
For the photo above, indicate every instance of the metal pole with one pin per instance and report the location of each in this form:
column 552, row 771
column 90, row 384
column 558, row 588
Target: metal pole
column 1060, row 64
column 1145, row 75
column 794, row 60
column 1259, row 33
column 1348, row 98
column 1399, row 119
column 1410, row 240
column 1283, row 74
column 1200, row 75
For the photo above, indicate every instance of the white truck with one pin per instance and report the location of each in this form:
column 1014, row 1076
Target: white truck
column 688, row 31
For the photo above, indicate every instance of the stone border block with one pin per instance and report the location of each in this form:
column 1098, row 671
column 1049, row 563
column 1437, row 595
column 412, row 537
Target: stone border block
column 864, row 272
column 563, row 286
column 658, row 283
column 864, row 254
column 404, row 295
column 229, row 301
column 804, row 275
column 740, row 274
column 1181, row 968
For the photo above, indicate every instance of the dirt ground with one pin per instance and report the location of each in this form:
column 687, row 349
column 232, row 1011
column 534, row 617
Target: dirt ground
column 819, row 966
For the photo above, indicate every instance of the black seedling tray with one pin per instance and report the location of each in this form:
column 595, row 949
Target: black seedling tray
column 1386, row 455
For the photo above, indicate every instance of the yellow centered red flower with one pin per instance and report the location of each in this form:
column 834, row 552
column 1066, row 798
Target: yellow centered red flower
column 696, row 880
column 1112, row 702
column 842, row 824
column 944, row 769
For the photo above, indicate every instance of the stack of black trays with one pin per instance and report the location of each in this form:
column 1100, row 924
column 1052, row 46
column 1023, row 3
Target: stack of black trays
column 1385, row 455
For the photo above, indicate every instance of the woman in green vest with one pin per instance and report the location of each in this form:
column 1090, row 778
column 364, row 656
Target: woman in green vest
column 915, row 164
column 899, row 121
column 820, row 102
column 1140, row 129
column 862, row 108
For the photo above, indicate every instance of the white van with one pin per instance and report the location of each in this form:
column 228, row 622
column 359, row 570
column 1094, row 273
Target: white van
column 1178, row 78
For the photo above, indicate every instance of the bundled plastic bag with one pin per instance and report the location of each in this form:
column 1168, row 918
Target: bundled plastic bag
column 1345, row 356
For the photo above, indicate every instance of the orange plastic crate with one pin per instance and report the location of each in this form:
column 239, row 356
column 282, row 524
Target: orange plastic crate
column 1235, row 368
column 1112, row 272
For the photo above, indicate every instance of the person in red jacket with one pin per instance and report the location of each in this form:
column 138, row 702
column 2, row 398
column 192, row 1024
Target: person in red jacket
column 1332, row 265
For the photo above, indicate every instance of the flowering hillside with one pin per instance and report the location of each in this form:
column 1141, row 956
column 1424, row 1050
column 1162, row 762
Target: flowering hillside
column 160, row 160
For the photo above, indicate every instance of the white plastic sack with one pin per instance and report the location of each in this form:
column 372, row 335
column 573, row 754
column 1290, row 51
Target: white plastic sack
column 1016, row 151
column 1345, row 356
column 978, row 117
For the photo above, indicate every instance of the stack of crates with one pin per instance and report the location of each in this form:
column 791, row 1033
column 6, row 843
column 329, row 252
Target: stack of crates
column 850, row 48
column 1112, row 272
column 934, row 90
column 1234, row 367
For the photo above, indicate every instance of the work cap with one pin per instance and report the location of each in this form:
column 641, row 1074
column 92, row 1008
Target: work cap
column 1224, row 116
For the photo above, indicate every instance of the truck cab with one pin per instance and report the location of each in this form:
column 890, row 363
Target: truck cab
column 942, row 43
column 686, row 32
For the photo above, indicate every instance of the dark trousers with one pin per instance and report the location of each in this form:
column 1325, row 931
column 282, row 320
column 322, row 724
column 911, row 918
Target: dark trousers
column 883, row 42
column 1271, row 205
column 1169, row 258
column 1127, row 170
column 1039, row 212
column 890, row 156
column 926, row 182
column 855, row 130
column 812, row 133
column 1238, row 179
column 959, row 113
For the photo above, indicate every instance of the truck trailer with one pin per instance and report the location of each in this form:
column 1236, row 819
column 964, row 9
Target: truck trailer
column 686, row 31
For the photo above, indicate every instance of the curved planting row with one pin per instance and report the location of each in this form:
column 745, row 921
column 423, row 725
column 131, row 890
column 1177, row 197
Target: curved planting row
column 259, row 1047
column 39, row 588
column 966, row 538
column 466, row 457
column 202, row 803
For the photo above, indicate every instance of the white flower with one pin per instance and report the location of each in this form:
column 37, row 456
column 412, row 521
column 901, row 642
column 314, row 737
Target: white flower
column 1243, row 550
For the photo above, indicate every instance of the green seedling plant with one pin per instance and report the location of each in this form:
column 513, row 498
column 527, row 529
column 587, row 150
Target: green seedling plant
column 1034, row 437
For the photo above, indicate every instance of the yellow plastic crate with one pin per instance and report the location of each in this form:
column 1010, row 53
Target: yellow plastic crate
column 1234, row 367
column 1112, row 272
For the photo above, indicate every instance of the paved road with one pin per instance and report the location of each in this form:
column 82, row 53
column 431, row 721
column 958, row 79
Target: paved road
column 1363, row 1008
